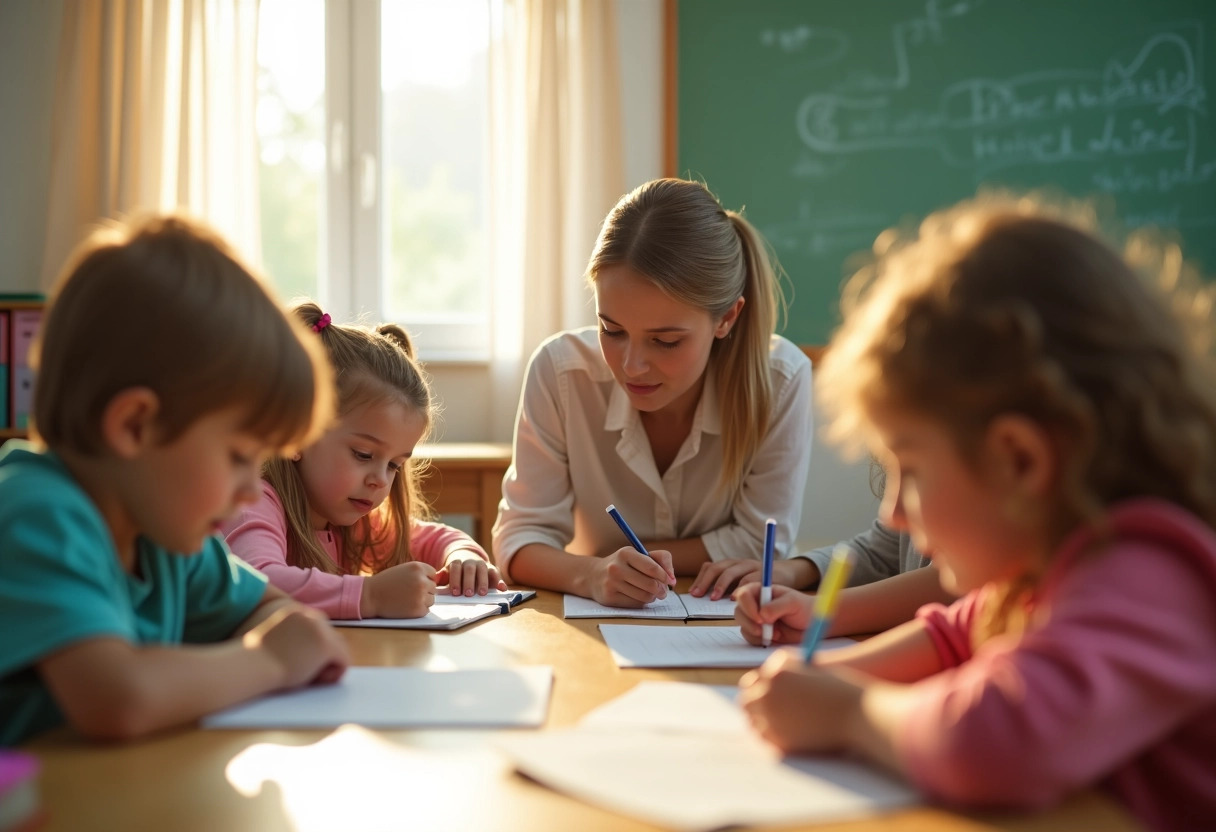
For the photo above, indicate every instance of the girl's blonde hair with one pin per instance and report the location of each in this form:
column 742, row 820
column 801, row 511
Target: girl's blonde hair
column 162, row 302
column 676, row 233
column 371, row 366
column 1004, row 305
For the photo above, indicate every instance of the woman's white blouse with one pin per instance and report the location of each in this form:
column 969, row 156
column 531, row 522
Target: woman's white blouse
column 580, row 446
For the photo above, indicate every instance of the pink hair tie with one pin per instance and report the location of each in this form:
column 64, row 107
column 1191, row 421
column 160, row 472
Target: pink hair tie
column 321, row 323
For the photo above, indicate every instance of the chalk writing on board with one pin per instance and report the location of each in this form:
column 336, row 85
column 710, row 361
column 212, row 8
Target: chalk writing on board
column 1135, row 119
column 1040, row 117
column 816, row 45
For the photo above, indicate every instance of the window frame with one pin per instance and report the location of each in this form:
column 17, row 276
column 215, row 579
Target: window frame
column 352, row 255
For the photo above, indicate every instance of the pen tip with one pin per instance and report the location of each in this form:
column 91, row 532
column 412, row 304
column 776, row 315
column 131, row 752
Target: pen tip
column 611, row 508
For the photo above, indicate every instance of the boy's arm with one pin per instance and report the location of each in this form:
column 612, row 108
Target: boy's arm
column 109, row 688
column 273, row 600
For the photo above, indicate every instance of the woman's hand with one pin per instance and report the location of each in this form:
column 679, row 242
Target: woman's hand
column 627, row 578
column 718, row 577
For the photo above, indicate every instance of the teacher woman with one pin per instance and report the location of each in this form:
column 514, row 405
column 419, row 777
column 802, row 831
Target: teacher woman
column 682, row 407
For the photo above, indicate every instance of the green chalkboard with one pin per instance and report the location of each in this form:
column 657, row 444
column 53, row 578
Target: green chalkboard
column 833, row 119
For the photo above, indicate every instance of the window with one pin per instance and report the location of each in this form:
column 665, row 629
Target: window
column 372, row 123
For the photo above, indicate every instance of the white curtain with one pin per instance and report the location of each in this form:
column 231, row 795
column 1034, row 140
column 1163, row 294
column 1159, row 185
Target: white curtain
column 154, row 110
column 557, row 167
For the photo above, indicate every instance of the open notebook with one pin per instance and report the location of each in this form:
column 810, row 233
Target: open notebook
column 677, row 607
column 450, row 612
column 506, row 598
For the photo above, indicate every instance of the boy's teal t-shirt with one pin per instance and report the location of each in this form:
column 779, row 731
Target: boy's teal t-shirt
column 61, row 583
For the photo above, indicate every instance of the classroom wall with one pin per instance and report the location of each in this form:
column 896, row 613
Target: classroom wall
column 838, row 501
column 29, row 34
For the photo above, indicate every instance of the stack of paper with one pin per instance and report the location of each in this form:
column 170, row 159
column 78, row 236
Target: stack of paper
column 701, row 767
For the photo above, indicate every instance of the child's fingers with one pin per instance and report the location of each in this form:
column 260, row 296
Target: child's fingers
column 455, row 578
column 785, row 634
column 329, row 674
column 752, row 632
column 468, row 583
column 747, row 602
column 786, row 605
column 494, row 578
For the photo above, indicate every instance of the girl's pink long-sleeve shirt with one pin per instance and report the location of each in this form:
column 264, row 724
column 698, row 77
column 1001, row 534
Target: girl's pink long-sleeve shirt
column 1113, row 685
column 258, row 536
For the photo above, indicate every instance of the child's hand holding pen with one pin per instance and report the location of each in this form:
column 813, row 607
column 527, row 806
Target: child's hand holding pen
column 794, row 616
column 800, row 708
column 789, row 613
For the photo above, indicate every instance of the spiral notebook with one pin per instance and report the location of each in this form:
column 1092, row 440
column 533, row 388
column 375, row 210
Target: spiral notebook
column 505, row 598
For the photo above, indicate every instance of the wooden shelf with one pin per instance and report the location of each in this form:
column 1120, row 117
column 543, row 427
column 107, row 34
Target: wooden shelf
column 466, row 478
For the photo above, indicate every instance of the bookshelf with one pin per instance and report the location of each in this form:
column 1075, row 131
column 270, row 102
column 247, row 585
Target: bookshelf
column 9, row 304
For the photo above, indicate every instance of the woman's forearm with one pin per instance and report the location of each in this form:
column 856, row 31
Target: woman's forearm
column 546, row 567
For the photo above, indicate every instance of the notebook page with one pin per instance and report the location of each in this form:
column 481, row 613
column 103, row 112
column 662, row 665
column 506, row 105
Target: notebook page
column 702, row 607
column 510, row 597
column 440, row 617
column 670, row 607
column 636, row 645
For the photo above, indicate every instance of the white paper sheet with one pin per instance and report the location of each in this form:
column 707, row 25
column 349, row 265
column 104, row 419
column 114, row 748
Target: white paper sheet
column 673, row 707
column 440, row 617
column 637, row 645
column 677, row 607
column 689, row 781
column 404, row 697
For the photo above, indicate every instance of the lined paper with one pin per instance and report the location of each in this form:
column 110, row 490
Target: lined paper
column 675, row 607
column 636, row 645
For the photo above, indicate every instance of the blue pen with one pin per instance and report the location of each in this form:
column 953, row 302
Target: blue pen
column 766, row 582
column 633, row 538
column 825, row 600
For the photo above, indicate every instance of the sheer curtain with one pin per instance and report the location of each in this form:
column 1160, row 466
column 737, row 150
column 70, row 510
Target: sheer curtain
column 154, row 110
column 557, row 166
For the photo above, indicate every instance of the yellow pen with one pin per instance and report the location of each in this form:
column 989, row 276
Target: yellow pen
column 825, row 600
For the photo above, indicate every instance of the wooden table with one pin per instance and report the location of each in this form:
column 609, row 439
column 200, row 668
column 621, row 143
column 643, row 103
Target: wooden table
column 272, row 781
column 466, row 478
